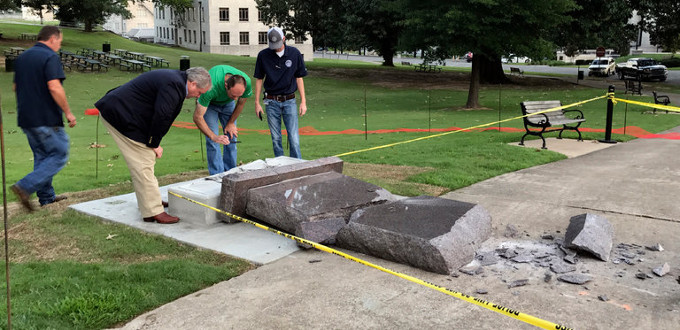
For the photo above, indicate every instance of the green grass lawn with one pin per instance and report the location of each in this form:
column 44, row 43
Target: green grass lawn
column 92, row 282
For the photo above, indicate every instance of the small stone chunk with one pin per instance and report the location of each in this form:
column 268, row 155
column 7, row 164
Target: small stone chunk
column 488, row 258
column 641, row 276
column 662, row 270
column 548, row 236
column 561, row 268
column 471, row 269
column 522, row 258
column 547, row 277
column 603, row 297
column 511, row 231
column 517, row 283
column 570, row 258
column 575, row 278
column 655, row 247
column 314, row 261
column 482, row 291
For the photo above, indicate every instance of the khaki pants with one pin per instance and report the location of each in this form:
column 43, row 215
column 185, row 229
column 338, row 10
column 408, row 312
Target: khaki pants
column 140, row 161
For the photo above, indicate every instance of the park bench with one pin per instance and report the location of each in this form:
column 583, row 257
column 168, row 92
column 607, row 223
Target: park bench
column 405, row 63
column 634, row 86
column 549, row 119
column 661, row 99
column 424, row 67
column 516, row 71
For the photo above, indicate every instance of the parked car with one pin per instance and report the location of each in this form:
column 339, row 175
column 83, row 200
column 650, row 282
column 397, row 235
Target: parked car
column 603, row 66
column 512, row 58
column 468, row 57
column 642, row 68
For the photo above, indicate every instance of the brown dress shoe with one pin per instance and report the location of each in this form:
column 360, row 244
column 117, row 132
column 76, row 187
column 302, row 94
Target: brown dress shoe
column 165, row 204
column 23, row 197
column 57, row 198
column 162, row 218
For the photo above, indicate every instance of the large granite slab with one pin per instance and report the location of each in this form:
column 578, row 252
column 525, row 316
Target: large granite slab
column 434, row 234
column 314, row 198
column 235, row 186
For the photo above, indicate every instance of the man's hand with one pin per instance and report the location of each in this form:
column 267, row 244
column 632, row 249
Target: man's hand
column 258, row 110
column 71, row 119
column 303, row 108
column 231, row 130
column 158, row 151
column 222, row 139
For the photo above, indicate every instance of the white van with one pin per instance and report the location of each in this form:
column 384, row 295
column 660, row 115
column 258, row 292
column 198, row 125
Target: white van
column 602, row 66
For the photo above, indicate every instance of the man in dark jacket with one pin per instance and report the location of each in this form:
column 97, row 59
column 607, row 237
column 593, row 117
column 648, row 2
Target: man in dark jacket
column 138, row 114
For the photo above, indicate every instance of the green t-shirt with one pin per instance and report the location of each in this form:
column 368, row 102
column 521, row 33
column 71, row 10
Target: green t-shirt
column 218, row 93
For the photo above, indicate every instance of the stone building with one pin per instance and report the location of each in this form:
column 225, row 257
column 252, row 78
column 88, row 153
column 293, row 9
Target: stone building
column 232, row 27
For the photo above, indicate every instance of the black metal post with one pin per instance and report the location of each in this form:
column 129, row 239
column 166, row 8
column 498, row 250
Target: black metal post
column 500, row 88
column 429, row 109
column 365, row 116
column 6, row 219
column 610, row 114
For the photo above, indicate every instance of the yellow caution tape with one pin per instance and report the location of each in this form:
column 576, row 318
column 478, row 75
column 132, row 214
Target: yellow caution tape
column 651, row 105
column 480, row 302
column 472, row 127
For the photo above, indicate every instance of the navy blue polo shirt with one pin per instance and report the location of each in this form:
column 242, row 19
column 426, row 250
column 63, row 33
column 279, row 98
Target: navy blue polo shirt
column 279, row 73
column 33, row 69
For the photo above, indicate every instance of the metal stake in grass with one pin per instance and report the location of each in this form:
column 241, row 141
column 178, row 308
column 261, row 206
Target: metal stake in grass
column 500, row 88
column 429, row 109
column 4, row 212
column 365, row 116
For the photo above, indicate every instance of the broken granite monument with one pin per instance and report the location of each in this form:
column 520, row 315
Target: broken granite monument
column 431, row 233
column 591, row 233
column 321, row 200
column 314, row 201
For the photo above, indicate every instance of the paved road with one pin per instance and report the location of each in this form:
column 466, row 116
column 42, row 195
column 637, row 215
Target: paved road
column 673, row 76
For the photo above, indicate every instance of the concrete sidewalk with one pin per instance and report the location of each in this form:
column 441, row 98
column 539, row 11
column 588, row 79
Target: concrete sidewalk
column 633, row 184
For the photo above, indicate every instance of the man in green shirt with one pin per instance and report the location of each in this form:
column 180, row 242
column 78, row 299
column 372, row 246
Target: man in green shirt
column 222, row 105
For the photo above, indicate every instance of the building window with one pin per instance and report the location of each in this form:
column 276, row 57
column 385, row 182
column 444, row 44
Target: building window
column 259, row 16
column 262, row 38
column 243, row 14
column 224, row 14
column 185, row 34
column 189, row 39
column 203, row 37
column 298, row 40
column 195, row 40
column 244, row 38
column 224, row 38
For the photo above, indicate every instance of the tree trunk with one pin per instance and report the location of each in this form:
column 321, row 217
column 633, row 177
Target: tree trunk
column 491, row 71
column 473, row 91
column 388, row 59
column 88, row 26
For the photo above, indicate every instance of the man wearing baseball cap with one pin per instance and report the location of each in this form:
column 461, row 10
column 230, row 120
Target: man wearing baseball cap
column 280, row 69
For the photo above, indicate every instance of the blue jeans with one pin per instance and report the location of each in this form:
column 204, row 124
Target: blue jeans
column 219, row 162
column 286, row 110
column 50, row 154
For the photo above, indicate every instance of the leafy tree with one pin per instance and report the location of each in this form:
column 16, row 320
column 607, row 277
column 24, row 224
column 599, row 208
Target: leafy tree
column 661, row 18
column 340, row 23
column 488, row 28
column 90, row 12
column 9, row 5
column 597, row 23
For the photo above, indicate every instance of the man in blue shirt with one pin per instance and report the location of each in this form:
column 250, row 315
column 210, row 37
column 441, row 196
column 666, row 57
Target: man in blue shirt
column 40, row 102
column 280, row 69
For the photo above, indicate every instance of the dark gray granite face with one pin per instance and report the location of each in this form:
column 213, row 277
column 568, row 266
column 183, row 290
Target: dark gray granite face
column 312, row 198
column 320, row 231
column 233, row 198
column 591, row 233
column 430, row 233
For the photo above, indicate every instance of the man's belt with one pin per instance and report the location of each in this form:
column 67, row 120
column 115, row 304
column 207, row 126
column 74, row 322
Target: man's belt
column 280, row 98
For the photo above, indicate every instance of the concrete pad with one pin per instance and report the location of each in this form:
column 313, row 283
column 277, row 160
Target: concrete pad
column 240, row 240
column 568, row 147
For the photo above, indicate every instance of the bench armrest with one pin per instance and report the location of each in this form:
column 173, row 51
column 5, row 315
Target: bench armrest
column 578, row 116
column 540, row 121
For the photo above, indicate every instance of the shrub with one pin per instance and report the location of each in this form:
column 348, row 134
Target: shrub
column 672, row 62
